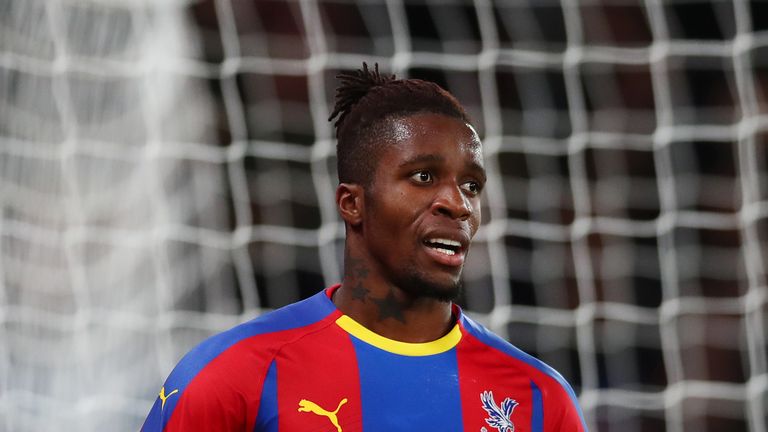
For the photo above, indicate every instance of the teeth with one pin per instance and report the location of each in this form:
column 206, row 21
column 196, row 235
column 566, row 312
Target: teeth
column 445, row 251
column 446, row 242
column 444, row 246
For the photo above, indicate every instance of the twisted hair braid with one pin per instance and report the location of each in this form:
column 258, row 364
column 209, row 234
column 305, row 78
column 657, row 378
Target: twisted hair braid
column 355, row 85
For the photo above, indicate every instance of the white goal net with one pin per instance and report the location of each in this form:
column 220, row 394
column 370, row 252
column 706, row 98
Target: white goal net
column 167, row 171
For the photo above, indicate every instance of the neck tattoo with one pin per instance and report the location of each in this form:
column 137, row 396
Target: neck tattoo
column 388, row 307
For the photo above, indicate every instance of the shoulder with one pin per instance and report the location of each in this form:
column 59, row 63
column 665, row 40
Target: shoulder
column 212, row 373
column 556, row 392
column 516, row 355
column 270, row 329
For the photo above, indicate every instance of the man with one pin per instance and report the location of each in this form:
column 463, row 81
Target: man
column 387, row 349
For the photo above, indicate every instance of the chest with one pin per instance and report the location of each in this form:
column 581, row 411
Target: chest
column 347, row 385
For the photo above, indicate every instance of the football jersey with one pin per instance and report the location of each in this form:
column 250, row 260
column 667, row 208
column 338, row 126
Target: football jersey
column 308, row 367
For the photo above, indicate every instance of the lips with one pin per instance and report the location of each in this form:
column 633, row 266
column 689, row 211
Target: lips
column 448, row 249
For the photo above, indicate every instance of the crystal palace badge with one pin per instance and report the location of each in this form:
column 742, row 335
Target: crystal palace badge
column 499, row 417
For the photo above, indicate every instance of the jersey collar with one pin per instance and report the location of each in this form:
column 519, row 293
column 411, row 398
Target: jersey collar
column 445, row 343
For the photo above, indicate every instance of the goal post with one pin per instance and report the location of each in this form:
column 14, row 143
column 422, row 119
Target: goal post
column 167, row 171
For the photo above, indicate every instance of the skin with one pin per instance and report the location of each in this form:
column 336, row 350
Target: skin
column 427, row 185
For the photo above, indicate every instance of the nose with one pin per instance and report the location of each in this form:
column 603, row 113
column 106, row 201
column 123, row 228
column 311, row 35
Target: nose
column 451, row 202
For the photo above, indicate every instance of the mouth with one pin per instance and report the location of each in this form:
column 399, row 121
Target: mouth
column 446, row 251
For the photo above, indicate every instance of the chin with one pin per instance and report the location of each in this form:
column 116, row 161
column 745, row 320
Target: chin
column 418, row 284
column 444, row 294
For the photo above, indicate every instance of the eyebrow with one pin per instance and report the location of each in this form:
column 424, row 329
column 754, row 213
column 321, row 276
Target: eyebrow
column 474, row 166
column 422, row 158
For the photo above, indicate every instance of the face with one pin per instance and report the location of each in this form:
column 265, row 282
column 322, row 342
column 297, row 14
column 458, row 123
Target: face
column 422, row 208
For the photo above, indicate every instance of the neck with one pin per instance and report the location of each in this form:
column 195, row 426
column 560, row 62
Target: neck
column 388, row 310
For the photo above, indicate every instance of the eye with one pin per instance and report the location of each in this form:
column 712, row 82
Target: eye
column 473, row 188
column 422, row 177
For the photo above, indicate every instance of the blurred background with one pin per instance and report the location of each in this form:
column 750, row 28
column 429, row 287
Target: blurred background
column 167, row 171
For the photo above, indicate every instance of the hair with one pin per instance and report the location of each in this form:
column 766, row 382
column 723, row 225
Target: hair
column 365, row 101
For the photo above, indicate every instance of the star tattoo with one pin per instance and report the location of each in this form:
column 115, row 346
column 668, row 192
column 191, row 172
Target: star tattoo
column 359, row 292
column 389, row 308
column 357, row 268
column 361, row 272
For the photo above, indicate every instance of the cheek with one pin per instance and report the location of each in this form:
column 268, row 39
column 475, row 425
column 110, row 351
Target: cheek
column 390, row 213
column 406, row 204
column 476, row 218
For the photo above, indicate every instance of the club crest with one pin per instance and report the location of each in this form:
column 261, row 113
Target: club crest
column 499, row 417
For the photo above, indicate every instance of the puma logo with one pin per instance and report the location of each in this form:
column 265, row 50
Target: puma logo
column 309, row 406
column 163, row 396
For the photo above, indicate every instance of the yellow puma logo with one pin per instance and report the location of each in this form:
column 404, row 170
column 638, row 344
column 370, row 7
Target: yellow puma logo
column 309, row 406
column 163, row 396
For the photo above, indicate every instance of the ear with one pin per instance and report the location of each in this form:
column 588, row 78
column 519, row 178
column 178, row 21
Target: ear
column 350, row 202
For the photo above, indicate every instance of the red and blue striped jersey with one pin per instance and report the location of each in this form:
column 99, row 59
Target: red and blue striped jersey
column 308, row 367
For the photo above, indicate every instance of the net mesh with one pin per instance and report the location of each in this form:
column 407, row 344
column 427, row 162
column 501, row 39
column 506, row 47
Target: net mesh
column 167, row 171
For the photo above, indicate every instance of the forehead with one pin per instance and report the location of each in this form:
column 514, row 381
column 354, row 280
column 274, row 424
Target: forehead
column 429, row 133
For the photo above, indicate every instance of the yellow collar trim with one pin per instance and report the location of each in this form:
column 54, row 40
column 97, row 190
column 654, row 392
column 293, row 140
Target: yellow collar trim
column 438, row 346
